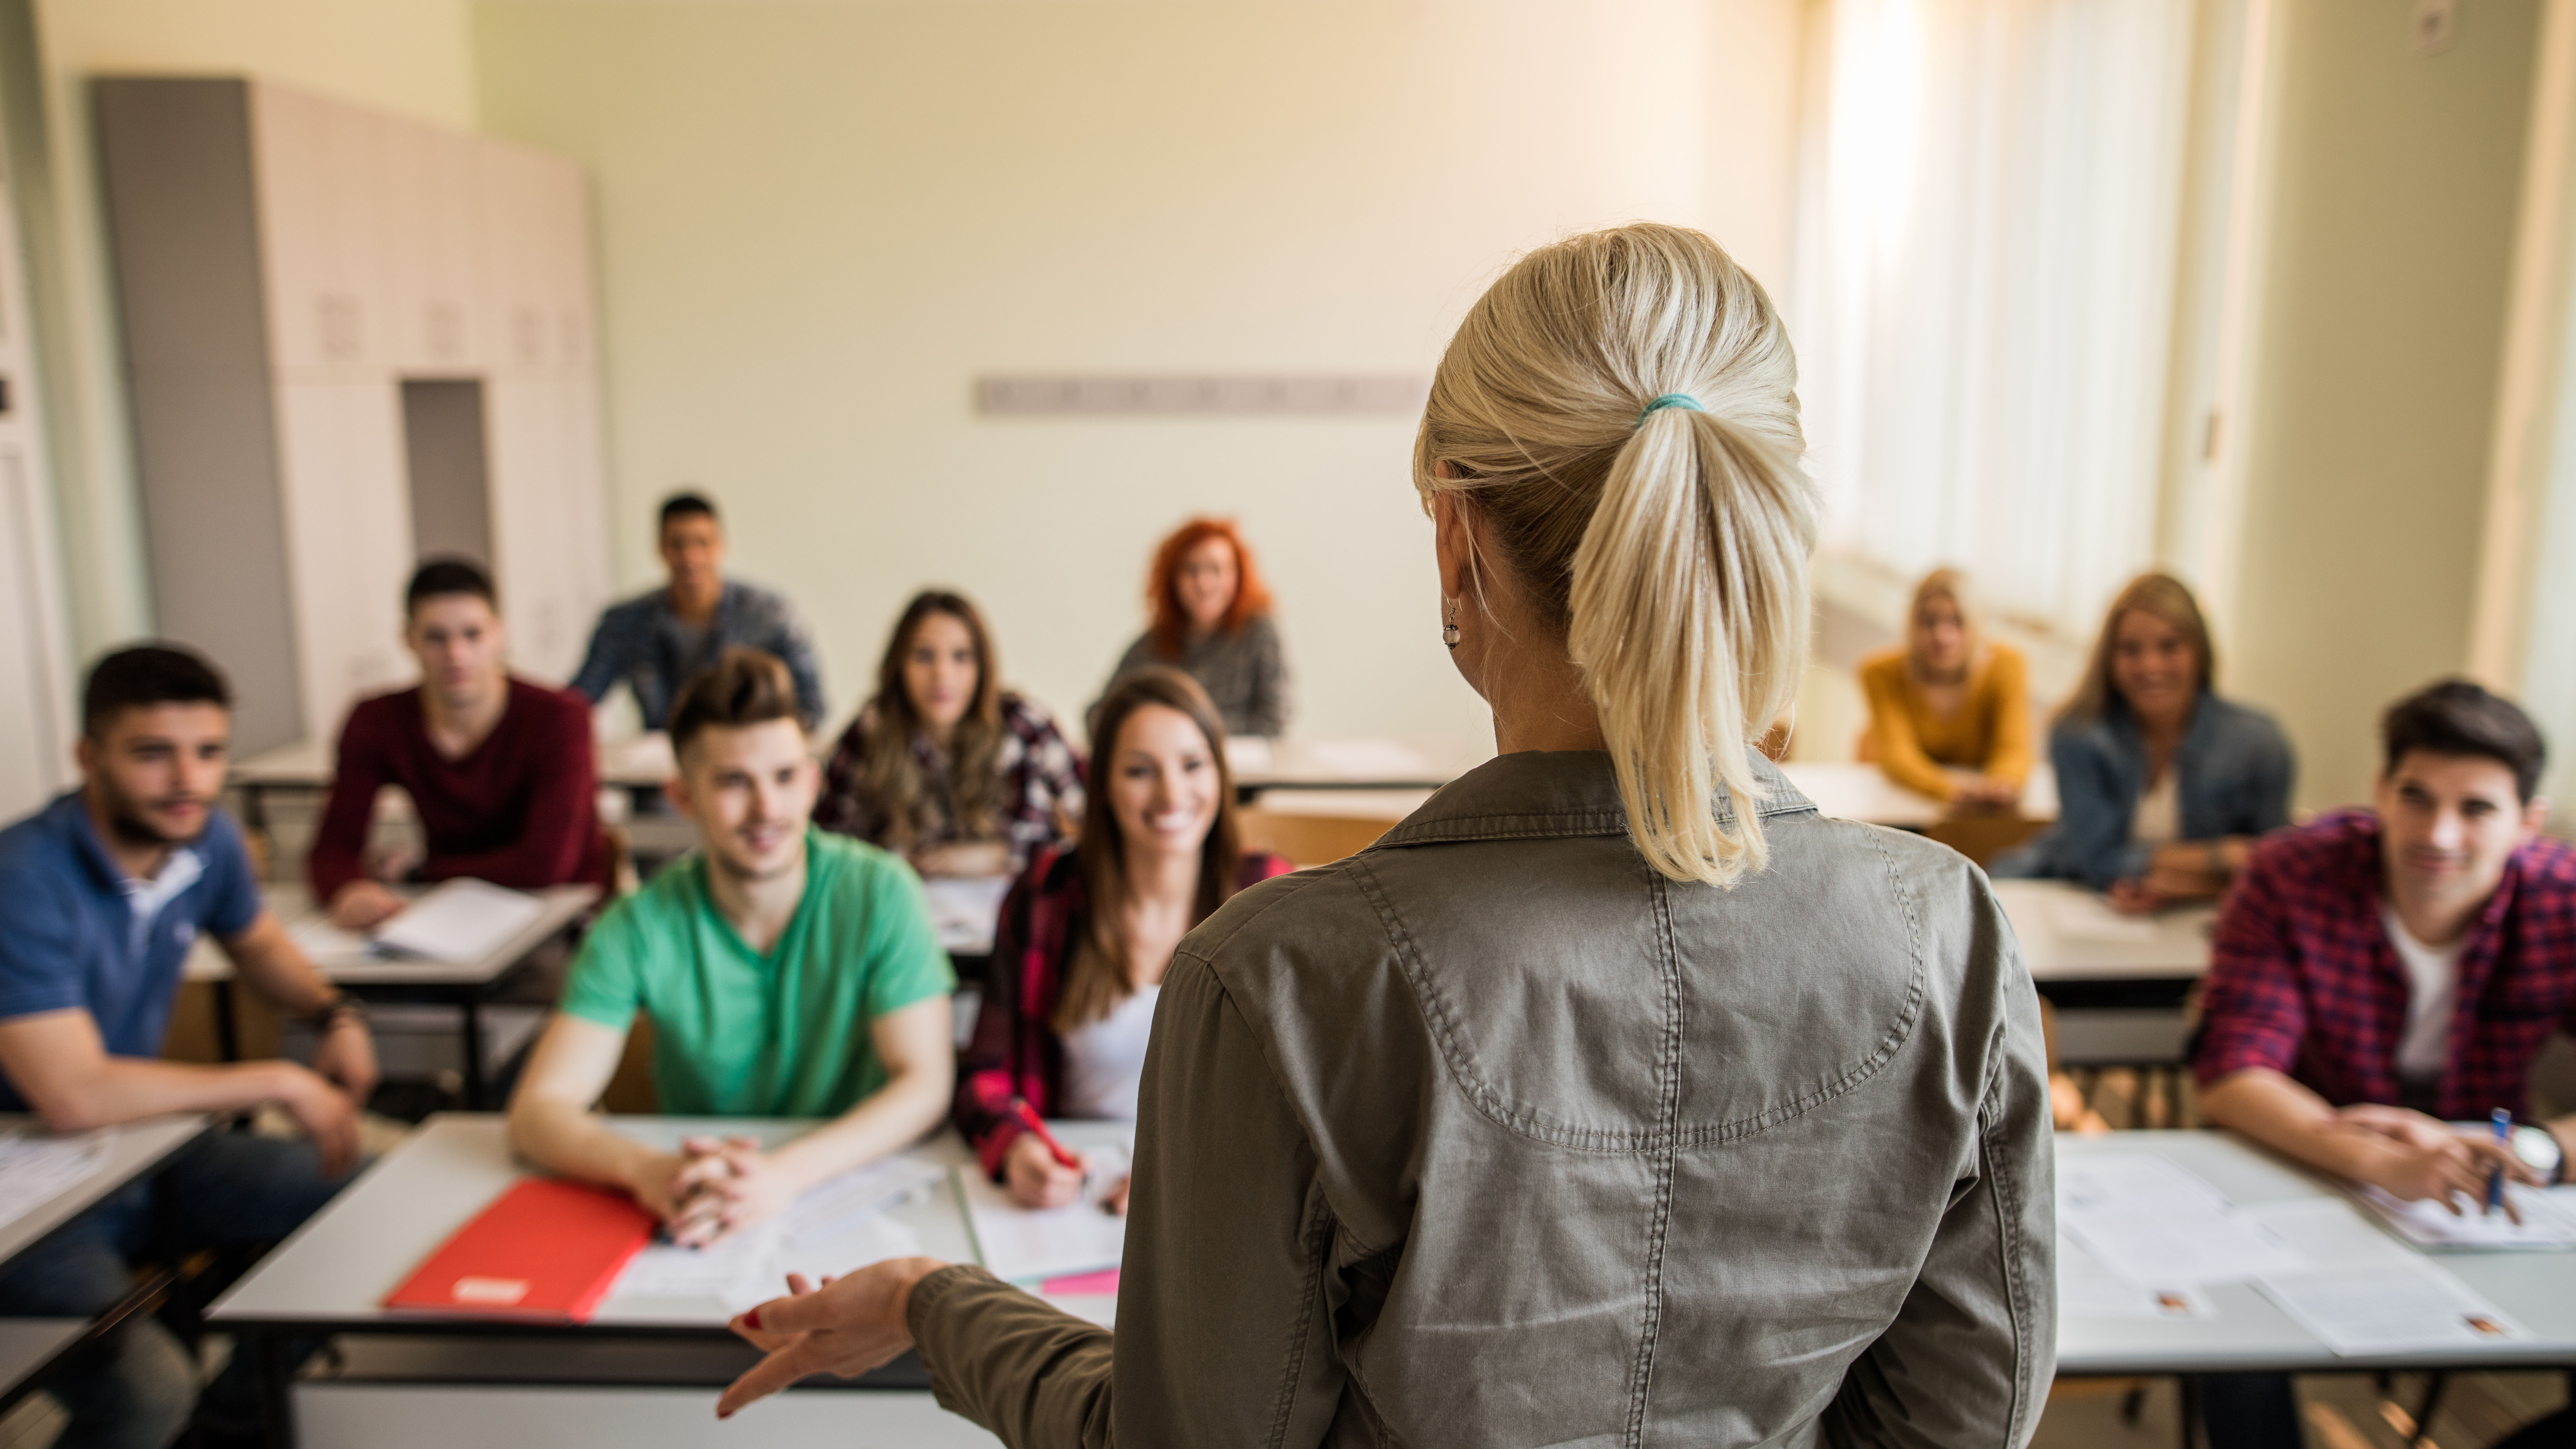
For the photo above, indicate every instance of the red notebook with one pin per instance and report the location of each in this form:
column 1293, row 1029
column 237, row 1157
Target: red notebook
column 544, row 1249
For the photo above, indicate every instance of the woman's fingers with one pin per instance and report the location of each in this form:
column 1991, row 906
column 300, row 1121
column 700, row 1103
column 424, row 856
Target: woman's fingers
column 781, row 1369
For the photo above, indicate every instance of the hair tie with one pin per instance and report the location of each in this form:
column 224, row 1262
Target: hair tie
column 1670, row 400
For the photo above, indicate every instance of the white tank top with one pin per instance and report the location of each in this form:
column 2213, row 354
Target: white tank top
column 1104, row 1060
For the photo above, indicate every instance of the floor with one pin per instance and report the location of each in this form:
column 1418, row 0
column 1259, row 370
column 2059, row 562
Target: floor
column 2343, row 1411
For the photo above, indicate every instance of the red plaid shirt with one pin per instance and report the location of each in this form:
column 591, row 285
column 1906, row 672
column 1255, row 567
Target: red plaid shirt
column 2304, row 981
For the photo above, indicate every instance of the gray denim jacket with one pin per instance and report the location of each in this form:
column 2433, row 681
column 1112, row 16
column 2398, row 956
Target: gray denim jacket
column 1490, row 1135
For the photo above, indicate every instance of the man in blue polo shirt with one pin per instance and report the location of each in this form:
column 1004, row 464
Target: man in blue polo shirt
column 101, row 894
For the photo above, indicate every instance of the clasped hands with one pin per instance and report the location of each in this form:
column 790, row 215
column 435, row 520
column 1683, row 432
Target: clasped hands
column 712, row 1187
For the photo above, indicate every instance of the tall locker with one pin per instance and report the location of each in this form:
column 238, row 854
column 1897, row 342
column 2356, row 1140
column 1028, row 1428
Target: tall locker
column 300, row 280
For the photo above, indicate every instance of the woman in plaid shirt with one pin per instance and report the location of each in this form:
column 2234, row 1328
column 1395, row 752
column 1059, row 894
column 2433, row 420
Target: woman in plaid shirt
column 944, row 766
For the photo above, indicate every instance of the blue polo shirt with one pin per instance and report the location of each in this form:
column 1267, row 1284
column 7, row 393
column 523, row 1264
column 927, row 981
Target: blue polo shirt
column 75, row 930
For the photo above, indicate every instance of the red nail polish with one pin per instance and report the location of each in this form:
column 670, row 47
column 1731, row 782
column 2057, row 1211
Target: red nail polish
column 751, row 1319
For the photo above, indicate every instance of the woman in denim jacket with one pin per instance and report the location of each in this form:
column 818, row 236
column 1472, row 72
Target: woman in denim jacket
column 2162, row 785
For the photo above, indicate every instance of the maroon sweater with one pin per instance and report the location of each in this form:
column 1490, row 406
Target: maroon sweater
column 521, row 810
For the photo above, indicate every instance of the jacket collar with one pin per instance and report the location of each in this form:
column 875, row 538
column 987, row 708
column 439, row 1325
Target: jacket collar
column 1554, row 793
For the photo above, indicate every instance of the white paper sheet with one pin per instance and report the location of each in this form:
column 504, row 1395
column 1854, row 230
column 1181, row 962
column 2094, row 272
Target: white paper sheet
column 2546, row 1222
column 2132, row 1184
column 2184, row 1247
column 2382, row 1310
column 2331, row 1233
column 2087, row 1288
column 36, row 1170
column 964, row 910
column 459, row 922
column 837, row 1225
column 1018, row 1244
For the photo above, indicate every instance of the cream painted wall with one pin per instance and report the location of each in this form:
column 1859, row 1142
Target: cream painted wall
column 819, row 221
column 407, row 56
column 2382, row 326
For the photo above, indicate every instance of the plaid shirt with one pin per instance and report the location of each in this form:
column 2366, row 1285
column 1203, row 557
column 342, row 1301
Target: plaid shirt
column 1041, row 777
column 2304, row 981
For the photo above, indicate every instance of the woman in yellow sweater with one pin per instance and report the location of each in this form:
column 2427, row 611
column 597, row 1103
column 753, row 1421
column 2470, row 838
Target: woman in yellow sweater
column 1949, row 712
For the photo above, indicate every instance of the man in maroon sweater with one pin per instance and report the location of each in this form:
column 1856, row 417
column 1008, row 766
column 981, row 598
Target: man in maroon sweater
column 499, row 769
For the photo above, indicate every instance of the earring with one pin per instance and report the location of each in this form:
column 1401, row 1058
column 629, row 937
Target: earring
column 1449, row 630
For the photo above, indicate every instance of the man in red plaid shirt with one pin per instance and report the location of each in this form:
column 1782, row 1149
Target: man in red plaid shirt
column 2381, row 973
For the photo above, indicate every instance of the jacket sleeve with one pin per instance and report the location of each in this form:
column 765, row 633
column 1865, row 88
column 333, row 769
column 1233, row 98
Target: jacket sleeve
column 604, row 663
column 1900, row 753
column 986, row 1082
column 562, row 815
column 2008, row 754
column 1971, row 1353
column 1224, row 1308
column 2092, row 842
column 2253, row 1008
column 2275, row 771
column 338, row 854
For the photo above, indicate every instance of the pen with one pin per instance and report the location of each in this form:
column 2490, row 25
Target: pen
column 1028, row 1116
column 2503, row 1123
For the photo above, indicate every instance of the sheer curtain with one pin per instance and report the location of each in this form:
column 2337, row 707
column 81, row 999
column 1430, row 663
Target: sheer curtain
column 1983, row 292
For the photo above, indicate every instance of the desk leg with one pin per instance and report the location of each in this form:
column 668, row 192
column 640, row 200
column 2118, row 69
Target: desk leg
column 227, row 1030
column 276, row 1382
column 475, row 1091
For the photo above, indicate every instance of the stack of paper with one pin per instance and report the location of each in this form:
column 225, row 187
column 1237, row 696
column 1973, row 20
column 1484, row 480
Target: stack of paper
column 2159, row 1227
column 838, row 1225
column 1022, row 1244
column 36, row 1170
column 2546, row 1223
column 459, row 922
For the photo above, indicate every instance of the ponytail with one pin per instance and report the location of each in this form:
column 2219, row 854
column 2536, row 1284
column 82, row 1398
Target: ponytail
column 1669, row 543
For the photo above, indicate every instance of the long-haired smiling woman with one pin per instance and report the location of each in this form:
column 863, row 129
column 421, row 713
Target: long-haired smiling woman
column 1615, row 1096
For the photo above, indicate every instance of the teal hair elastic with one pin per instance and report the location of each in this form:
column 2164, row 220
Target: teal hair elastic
column 1670, row 400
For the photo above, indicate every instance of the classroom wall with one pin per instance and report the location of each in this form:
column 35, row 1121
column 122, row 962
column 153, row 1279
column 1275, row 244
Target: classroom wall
column 819, row 222
column 406, row 56
column 2381, row 333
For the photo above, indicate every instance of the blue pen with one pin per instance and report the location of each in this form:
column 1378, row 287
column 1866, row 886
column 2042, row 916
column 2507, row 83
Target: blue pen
column 2503, row 1123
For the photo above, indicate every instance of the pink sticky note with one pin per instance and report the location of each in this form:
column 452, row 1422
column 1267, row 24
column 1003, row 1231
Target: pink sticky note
column 1103, row 1284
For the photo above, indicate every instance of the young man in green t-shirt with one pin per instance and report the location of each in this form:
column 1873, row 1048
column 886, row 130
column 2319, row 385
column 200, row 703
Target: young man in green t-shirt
column 787, row 972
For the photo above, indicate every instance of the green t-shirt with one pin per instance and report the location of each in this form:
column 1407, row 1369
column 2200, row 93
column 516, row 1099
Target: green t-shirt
column 740, row 1034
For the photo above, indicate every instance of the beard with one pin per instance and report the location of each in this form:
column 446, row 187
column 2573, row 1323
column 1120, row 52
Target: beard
column 126, row 820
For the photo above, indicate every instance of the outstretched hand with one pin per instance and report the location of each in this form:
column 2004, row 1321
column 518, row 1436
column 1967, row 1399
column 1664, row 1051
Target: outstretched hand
column 845, row 1326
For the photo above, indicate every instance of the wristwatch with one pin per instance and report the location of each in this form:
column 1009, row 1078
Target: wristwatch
column 2539, row 1150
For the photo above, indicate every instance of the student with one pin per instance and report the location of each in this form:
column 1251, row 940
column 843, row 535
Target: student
column 101, row 894
column 1088, row 932
column 2381, row 973
column 656, row 641
column 2161, row 785
column 787, row 973
column 499, row 769
column 1596, row 1103
column 1210, row 616
column 944, row 766
column 1949, row 710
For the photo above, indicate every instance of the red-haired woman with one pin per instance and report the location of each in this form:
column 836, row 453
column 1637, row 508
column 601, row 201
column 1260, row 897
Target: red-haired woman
column 1087, row 933
column 1209, row 617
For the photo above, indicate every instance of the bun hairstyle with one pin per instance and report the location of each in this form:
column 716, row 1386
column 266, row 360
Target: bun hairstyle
column 1666, row 537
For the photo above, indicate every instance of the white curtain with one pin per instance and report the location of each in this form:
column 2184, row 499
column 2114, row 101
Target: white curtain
column 1984, row 286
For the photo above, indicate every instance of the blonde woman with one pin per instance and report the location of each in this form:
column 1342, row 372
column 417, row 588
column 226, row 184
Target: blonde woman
column 1615, row 1097
column 1949, row 710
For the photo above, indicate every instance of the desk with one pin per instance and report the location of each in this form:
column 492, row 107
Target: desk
column 2118, row 982
column 1863, row 792
column 29, row 1346
column 330, row 1276
column 1409, row 763
column 464, row 985
column 2250, row 1333
column 130, row 1151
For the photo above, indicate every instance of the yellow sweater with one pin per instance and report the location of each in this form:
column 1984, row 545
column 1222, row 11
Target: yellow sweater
column 1989, row 733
